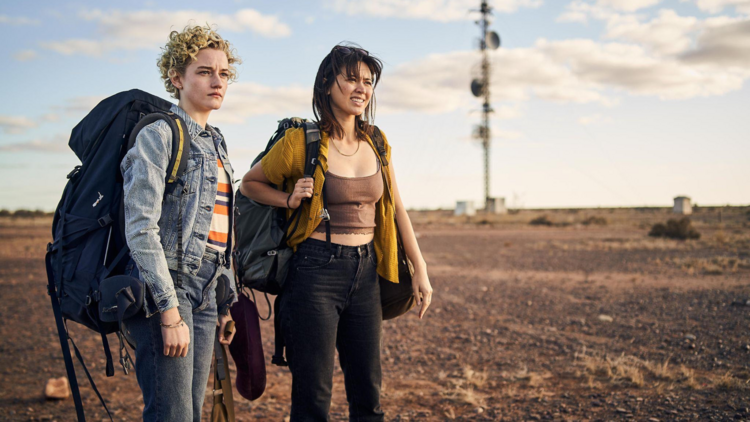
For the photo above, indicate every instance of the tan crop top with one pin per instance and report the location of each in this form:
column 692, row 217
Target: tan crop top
column 351, row 203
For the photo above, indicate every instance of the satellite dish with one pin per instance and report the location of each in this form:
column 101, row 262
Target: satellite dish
column 479, row 132
column 477, row 88
column 493, row 40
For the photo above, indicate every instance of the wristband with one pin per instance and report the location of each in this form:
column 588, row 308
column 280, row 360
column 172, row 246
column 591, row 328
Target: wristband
column 287, row 200
column 175, row 325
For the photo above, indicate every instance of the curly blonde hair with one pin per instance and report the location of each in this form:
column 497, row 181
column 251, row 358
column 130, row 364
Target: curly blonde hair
column 183, row 47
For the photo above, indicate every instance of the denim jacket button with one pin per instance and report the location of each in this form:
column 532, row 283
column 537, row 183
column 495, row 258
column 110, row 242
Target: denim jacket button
column 207, row 208
column 200, row 236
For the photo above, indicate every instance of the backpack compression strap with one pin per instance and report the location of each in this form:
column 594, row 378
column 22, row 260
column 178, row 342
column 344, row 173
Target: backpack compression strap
column 181, row 140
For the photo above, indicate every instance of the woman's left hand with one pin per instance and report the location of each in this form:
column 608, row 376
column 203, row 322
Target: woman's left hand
column 223, row 319
column 420, row 283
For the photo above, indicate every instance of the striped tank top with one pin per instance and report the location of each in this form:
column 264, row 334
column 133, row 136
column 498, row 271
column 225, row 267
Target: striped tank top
column 219, row 232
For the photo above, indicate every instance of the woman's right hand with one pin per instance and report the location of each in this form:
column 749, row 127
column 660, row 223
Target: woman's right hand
column 302, row 189
column 176, row 340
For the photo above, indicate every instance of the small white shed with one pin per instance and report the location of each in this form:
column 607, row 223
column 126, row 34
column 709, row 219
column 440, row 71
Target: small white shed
column 465, row 208
column 496, row 206
column 682, row 205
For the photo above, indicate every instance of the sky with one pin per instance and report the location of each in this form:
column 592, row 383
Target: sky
column 598, row 103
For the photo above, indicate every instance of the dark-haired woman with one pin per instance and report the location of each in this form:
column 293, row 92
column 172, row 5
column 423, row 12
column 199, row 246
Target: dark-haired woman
column 331, row 297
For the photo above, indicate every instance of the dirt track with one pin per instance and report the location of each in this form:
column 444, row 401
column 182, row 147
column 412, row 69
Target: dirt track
column 552, row 323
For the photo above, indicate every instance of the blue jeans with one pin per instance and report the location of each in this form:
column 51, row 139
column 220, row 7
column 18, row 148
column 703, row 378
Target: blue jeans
column 174, row 387
column 332, row 301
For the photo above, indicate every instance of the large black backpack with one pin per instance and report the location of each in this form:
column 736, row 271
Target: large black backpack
column 88, row 226
column 262, row 255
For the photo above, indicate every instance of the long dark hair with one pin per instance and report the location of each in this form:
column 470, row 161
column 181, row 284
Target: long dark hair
column 344, row 59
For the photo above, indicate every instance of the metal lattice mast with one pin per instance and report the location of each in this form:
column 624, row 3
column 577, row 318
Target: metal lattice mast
column 486, row 110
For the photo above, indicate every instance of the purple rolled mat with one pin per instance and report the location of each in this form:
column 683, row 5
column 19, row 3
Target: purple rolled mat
column 247, row 349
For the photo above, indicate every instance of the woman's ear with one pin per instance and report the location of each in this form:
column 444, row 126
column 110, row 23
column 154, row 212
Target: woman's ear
column 176, row 80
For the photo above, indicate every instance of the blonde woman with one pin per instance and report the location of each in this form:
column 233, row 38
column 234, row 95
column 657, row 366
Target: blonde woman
column 174, row 335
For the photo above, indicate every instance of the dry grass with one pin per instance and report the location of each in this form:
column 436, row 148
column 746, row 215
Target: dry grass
column 728, row 382
column 464, row 385
column 532, row 379
column 717, row 265
column 477, row 379
column 632, row 371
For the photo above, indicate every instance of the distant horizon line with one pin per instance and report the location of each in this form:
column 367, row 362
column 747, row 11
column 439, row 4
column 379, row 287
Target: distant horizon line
column 599, row 207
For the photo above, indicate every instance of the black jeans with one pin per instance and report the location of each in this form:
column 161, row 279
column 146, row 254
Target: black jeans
column 332, row 301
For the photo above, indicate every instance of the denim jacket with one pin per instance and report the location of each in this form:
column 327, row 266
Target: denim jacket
column 151, row 214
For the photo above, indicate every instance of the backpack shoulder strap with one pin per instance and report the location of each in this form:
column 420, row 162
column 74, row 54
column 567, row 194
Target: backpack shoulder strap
column 178, row 156
column 377, row 139
column 312, row 142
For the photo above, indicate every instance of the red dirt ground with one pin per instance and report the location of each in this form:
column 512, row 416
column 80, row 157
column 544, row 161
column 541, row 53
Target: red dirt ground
column 518, row 329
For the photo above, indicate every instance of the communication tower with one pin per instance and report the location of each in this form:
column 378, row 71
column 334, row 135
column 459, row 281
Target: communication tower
column 480, row 87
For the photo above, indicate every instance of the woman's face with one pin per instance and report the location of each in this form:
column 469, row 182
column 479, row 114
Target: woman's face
column 204, row 83
column 350, row 96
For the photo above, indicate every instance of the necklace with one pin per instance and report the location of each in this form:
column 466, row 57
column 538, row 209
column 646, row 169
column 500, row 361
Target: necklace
column 346, row 155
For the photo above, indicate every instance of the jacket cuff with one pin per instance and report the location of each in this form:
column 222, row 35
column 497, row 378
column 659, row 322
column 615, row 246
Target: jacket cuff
column 167, row 302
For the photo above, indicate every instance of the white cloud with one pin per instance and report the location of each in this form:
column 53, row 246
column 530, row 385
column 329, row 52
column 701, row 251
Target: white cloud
column 16, row 124
column 668, row 33
column 723, row 42
column 716, row 6
column 56, row 143
column 18, row 20
column 25, row 55
column 435, row 10
column 246, row 99
column 594, row 119
column 628, row 5
column 567, row 71
column 506, row 134
column 506, row 112
column 716, row 41
column 77, row 105
column 147, row 29
column 631, row 69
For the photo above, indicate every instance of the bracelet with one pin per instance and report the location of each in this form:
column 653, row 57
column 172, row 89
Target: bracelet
column 177, row 324
column 287, row 200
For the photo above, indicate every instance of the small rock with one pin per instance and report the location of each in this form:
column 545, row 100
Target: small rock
column 621, row 410
column 747, row 347
column 653, row 420
column 479, row 410
column 605, row 318
column 57, row 389
column 689, row 337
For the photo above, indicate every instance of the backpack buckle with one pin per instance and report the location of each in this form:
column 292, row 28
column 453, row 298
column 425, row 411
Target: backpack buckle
column 73, row 172
column 271, row 253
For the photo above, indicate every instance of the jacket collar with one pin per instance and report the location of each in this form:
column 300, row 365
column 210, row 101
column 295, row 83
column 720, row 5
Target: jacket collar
column 194, row 129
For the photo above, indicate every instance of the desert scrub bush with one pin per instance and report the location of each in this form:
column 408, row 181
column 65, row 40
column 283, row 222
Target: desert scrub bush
column 595, row 220
column 681, row 229
column 541, row 221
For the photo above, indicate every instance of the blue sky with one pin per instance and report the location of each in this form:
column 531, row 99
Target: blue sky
column 598, row 102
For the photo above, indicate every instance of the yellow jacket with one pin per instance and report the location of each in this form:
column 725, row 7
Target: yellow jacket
column 286, row 162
